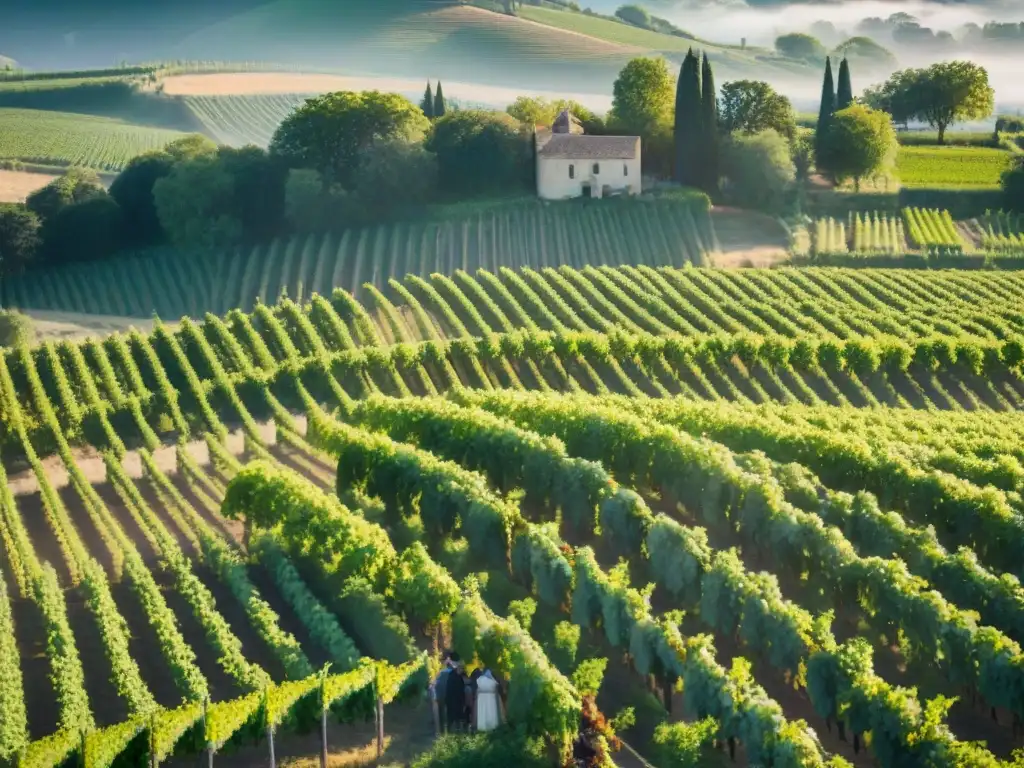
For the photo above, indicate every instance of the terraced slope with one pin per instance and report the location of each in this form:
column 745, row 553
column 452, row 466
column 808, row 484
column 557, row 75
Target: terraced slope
column 813, row 562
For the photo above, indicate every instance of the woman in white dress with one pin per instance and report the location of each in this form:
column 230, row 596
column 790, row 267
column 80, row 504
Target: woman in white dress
column 490, row 709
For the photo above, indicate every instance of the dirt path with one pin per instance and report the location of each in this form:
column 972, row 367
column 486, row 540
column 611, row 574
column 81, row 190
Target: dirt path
column 15, row 186
column 747, row 239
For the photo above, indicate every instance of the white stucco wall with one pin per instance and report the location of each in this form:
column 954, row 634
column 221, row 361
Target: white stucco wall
column 553, row 182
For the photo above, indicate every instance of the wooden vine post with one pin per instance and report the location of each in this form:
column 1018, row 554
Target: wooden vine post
column 270, row 726
column 378, row 713
column 152, row 741
column 206, row 730
column 323, row 716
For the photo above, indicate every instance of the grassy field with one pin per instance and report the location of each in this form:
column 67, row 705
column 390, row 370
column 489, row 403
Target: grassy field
column 61, row 139
column 130, row 592
column 969, row 167
column 731, row 59
column 240, row 120
column 171, row 283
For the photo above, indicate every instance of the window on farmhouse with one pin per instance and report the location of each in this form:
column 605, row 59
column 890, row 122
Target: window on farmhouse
column 597, row 168
column 625, row 169
column 572, row 171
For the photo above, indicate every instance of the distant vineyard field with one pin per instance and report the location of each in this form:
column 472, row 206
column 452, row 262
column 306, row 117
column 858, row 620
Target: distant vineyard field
column 63, row 139
column 659, row 232
column 923, row 166
column 240, row 120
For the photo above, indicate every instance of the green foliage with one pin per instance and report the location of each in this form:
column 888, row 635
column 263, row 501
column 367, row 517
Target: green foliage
column 82, row 231
column 562, row 650
column 495, row 749
column 953, row 167
column 684, row 745
column 522, row 611
column 328, row 132
column 752, row 106
column 394, row 177
column 825, row 112
column 132, row 190
column 19, row 237
column 480, row 152
column 844, row 88
column 536, row 110
column 689, row 124
column 642, row 99
column 798, row 45
column 75, row 186
column 13, row 718
column 15, row 329
column 589, row 675
column 1013, row 187
column 759, row 169
column 940, row 95
column 860, row 142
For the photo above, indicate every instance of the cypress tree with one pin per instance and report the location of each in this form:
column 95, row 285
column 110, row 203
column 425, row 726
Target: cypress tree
column 689, row 138
column 844, row 89
column 709, row 114
column 828, row 108
column 427, row 105
column 439, row 105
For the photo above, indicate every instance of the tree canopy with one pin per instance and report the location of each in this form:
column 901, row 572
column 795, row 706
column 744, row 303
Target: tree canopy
column 480, row 152
column 800, row 46
column 328, row 132
column 642, row 97
column 861, row 142
column 133, row 191
column 535, row 110
column 759, row 168
column 752, row 106
column 941, row 95
column 1013, row 186
column 19, row 237
column 75, row 186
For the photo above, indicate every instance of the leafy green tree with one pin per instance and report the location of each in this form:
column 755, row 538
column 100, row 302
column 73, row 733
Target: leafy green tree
column 800, row 46
column 642, row 105
column 825, row 112
column 83, row 231
column 709, row 127
column 19, row 237
column 133, row 191
column 15, row 329
column 897, row 96
column 1013, row 186
column 194, row 204
column 258, row 190
column 950, row 92
column 75, row 186
column 427, row 104
column 481, row 152
column 752, row 106
column 327, row 133
column 312, row 207
column 689, row 118
column 642, row 98
column 234, row 196
column 866, row 54
column 844, row 90
column 440, row 106
column 759, row 168
column 395, row 175
column 636, row 15
column 190, row 146
column 861, row 142
column 535, row 110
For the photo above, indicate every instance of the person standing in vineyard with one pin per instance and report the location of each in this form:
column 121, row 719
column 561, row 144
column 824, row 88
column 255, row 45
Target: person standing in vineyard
column 455, row 698
column 438, row 689
column 488, row 708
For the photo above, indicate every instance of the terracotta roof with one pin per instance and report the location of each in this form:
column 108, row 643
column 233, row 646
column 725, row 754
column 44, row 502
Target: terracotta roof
column 574, row 147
